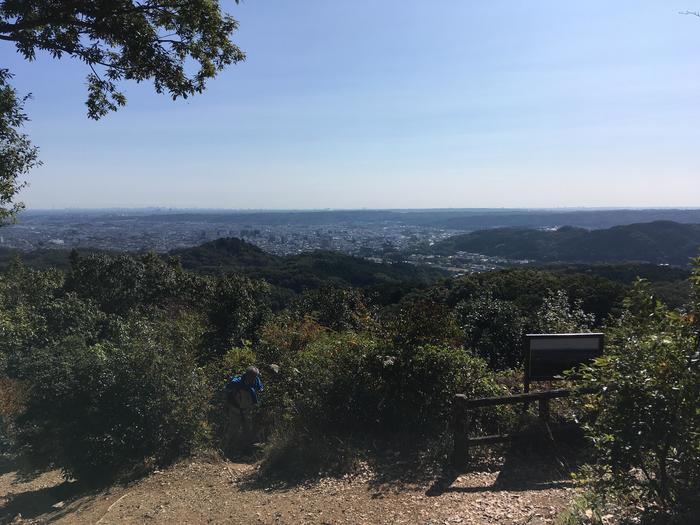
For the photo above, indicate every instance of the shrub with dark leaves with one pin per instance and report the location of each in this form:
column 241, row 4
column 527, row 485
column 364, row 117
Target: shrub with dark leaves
column 105, row 409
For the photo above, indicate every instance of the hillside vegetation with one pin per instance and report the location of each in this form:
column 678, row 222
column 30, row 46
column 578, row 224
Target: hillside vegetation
column 115, row 366
column 660, row 242
column 387, row 283
column 299, row 272
column 231, row 255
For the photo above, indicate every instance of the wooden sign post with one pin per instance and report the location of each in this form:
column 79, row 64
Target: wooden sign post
column 547, row 357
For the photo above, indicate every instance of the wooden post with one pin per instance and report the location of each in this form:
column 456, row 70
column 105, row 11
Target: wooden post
column 463, row 408
column 526, row 372
column 460, row 433
column 544, row 409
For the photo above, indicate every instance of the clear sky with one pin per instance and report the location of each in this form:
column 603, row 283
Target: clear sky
column 396, row 104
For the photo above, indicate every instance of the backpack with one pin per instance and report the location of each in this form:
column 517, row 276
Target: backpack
column 230, row 389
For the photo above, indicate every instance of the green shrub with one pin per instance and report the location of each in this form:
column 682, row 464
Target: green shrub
column 118, row 283
column 236, row 309
column 101, row 410
column 233, row 362
column 293, row 453
column 419, row 386
column 354, row 382
column 285, row 335
column 13, row 395
column 558, row 315
column 645, row 425
column 493, row 329
column 334, row 307
column 420, row 321
column 587, row 508
column 332, row 385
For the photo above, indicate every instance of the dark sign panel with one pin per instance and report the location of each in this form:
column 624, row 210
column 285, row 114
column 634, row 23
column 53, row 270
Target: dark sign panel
column 549, row 355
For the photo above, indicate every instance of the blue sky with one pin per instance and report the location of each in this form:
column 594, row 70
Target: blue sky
column 396, row 104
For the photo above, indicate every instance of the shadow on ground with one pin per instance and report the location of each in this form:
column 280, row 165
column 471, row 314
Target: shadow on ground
column 540, row 458
column 35, row 503
column 6, row 464
column 31, row 495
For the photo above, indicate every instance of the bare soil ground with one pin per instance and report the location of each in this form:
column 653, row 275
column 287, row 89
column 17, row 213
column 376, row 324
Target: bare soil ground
column 213, row 490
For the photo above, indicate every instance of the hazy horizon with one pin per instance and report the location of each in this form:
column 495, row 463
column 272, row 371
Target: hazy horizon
column 205, row 209
column 395, row 105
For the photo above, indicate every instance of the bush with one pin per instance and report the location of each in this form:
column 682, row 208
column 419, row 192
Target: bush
column 354, row 382
column 558, row 315
column 335, row 308
column 296, row 453
column 119, row 283
column 285, row 335
column 587, row 508
column 233, row 362
column 646, row 424
column 342, row 392
column 419, row 386
column 420, row 321
column 332, row 385
column 236, row 309
column 13, row 395
column 100, row 410
column 24, row 295
column 493, row 329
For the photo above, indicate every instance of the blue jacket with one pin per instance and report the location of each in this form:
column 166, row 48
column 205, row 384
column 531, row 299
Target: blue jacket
column 237, row 383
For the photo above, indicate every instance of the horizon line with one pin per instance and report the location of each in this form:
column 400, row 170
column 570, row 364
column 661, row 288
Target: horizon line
column 360, row 209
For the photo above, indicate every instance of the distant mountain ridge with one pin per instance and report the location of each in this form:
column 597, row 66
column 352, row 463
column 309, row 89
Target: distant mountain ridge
column 658, row 242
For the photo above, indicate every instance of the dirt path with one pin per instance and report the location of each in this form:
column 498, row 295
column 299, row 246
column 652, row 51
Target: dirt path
column 216, row 491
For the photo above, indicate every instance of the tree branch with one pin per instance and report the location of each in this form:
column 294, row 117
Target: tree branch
column 59, row 17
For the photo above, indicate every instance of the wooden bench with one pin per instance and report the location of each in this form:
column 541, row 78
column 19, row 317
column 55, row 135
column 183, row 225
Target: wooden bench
column 547, row 356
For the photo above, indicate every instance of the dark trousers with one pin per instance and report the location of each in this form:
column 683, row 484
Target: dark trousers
column 239, row 428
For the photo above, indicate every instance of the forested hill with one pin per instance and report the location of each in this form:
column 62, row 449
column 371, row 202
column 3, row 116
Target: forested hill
column 228, row 254
column 660, row 242
column 296, row 272
column 306, row 270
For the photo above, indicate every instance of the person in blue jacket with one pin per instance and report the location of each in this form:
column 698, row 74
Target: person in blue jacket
column 242, row 396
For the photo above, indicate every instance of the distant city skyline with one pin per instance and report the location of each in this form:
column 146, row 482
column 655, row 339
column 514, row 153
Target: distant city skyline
column 395, row 105
column 365, row 233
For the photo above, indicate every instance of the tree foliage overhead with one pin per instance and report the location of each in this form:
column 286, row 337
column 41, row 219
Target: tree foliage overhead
column 17, row 155
column 177, row 44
